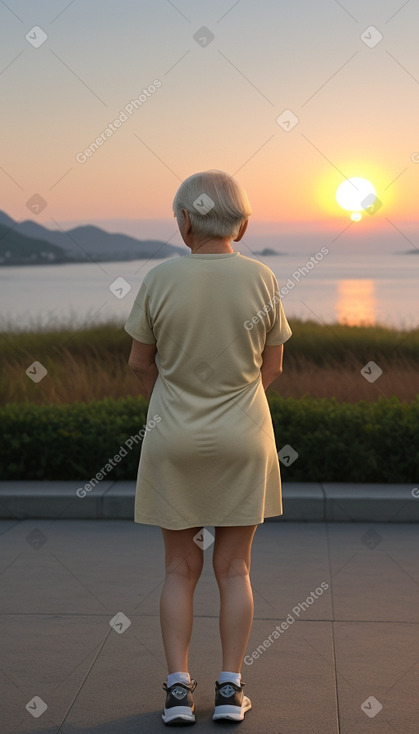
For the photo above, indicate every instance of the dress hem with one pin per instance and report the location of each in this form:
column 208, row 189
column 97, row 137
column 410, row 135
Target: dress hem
column 243, row 523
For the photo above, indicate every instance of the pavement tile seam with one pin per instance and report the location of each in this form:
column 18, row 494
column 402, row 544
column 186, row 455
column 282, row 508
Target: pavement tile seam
column 347, row 705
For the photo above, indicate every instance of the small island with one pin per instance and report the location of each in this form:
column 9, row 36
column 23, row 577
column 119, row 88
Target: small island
column 268, row 251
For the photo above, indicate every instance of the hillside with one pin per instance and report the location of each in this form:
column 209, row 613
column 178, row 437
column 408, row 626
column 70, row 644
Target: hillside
column 30, row 243
column 16, row 249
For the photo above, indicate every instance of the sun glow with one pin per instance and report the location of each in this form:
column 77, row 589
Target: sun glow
column 354, row 190
column 356, row 195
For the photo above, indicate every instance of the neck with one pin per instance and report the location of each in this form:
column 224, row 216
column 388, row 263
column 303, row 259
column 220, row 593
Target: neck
column 212, row 248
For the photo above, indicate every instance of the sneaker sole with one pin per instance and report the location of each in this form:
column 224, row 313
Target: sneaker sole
column 178, row 715
column 233, row 713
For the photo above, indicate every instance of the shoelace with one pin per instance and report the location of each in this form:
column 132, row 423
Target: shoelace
column 242, row 684
column 191, row 686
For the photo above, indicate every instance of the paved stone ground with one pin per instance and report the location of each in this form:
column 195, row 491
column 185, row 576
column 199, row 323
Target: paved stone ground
column 348, row 662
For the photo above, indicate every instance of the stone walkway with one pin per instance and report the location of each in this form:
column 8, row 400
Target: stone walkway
column 334, row 647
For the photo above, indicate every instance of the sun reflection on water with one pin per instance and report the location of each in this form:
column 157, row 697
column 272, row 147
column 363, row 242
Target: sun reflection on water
column 356, row 303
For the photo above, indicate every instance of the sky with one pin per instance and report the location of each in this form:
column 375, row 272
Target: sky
column 290, row 98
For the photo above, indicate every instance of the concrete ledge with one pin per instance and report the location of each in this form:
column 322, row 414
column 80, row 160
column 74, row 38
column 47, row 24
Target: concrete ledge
column 370, row 503
column 52, row 500
column 303, row 501
column 118, row 501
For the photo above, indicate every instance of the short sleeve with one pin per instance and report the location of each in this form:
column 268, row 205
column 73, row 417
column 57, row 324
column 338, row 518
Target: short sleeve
column 139, row 324
column 280, row 330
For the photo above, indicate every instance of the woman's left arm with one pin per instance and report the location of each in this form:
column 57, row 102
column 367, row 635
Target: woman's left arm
column 142, row 362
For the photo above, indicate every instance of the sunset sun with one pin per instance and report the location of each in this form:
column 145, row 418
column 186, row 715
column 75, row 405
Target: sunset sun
column 356, row 195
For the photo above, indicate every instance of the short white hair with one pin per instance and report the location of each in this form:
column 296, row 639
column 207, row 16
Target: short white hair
column 216, row 204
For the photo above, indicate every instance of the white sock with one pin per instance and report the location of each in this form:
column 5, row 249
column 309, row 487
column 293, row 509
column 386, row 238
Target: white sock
column 227, row 677
column 178, row 678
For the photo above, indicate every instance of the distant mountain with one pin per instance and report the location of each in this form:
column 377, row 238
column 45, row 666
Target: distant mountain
column 6, row 220
column 16, row 249
column 80, row 244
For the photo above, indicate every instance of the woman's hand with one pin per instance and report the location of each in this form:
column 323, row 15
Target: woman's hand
column 272, row 363
column 142, row 363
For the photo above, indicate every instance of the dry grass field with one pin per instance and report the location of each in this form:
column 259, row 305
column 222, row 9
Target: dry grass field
column 320, row 361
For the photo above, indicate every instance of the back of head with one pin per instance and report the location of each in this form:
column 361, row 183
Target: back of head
column 216, row 204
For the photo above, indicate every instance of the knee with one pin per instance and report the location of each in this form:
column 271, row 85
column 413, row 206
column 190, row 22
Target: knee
column 225, row 569
column 189, row 567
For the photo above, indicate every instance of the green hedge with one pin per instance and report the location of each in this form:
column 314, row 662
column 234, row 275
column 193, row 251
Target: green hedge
column 349, row 442
column 358, row 442
column 69, row 441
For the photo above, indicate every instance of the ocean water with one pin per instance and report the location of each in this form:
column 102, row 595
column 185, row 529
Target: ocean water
column 341, row 287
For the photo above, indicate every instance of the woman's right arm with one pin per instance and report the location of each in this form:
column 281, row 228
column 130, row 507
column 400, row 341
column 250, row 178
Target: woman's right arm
column 271, row 368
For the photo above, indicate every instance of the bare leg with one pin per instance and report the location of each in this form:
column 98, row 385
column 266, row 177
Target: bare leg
column 231, row 561
column 184, row 561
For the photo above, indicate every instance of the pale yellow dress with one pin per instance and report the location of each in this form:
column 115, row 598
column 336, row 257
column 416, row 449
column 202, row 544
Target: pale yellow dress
column 211, row 459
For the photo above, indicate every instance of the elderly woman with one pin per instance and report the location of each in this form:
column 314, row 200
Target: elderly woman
column 208, row 331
